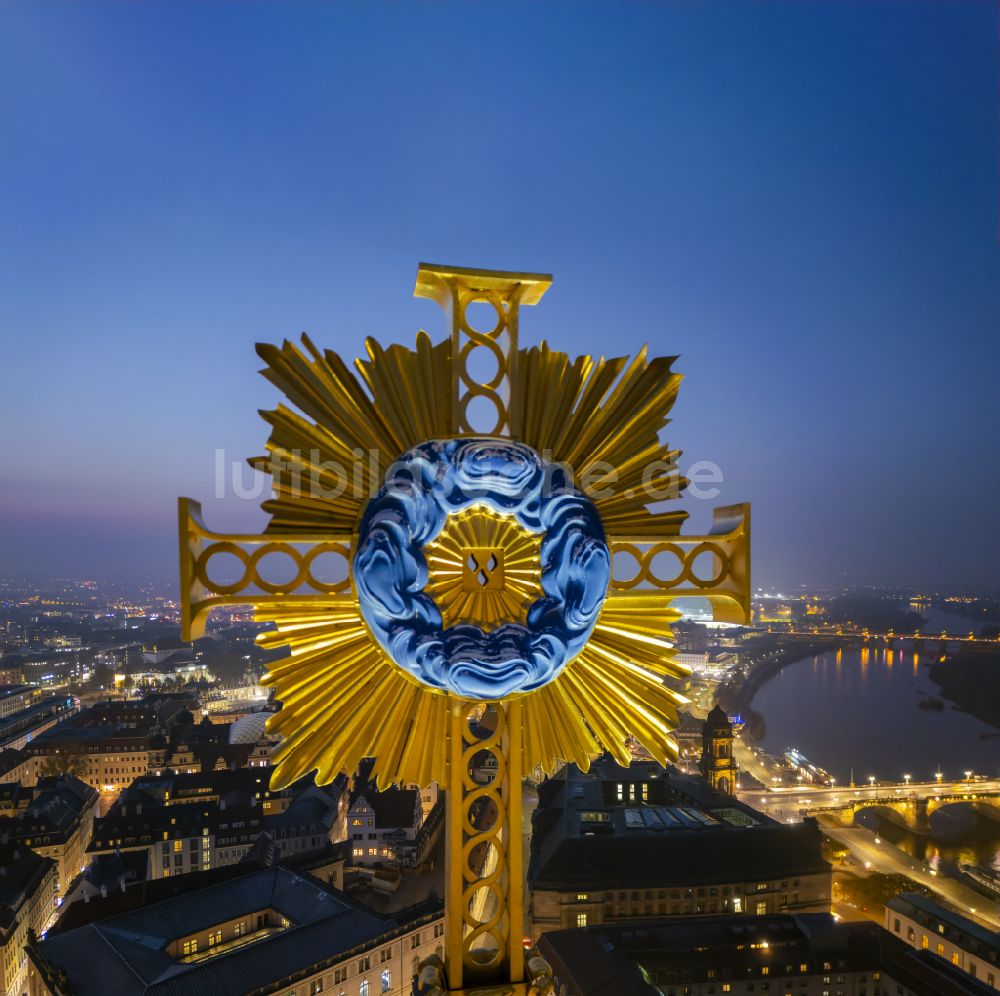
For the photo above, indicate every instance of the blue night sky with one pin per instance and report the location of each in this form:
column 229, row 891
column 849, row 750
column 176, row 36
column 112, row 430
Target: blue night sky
column 800, row 199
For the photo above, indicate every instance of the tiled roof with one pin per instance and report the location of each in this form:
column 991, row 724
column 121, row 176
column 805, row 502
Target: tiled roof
column 125, row 954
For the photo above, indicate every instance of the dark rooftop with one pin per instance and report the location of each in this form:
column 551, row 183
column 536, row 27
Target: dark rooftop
column 126, row 955
column 645, row 827
column 616, row 960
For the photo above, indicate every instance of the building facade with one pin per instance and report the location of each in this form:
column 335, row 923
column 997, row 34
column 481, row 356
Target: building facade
column 27, row 906
column 55, row 818
column 621, row 844
column 928, row 926
column 718, row 766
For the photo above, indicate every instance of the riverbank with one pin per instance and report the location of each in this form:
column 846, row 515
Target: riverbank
column 971, row 681
column 735, row 695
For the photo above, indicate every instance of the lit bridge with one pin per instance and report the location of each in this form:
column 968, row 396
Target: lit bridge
column 889, row 638
column 913, row 801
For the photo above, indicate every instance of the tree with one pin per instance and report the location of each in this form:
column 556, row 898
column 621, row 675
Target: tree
column 68, row 763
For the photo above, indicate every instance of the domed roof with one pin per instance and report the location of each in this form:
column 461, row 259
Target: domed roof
column 248, row 729
column 718, row 720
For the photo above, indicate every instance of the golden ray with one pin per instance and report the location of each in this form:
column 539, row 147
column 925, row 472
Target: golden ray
column 591, row 414
column 343, row 699
column 325, row 469
column 486, row 594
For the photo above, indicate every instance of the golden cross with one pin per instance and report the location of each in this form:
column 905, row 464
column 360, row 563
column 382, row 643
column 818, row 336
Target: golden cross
column 585, row 410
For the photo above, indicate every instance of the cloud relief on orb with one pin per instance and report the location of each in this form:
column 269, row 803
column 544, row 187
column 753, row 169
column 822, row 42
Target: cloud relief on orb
column 445, row 477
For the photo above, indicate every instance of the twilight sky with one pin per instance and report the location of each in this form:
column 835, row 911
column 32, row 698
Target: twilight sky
column 801, row 199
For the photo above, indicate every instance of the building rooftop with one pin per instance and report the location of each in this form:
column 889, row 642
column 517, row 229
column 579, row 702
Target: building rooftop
column 21, row 872
column 53, row 807
column 645, row 827
column 127, row 954
column 617, row 960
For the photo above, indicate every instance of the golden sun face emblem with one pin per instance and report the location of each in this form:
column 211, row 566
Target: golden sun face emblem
column 483, row 569
column 480, row 554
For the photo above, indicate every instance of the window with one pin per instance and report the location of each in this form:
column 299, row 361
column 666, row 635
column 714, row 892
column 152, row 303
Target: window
column 365, row 963
column 923, row 941
column 737, row 904
column 761, row 909
column 214, row 937
column 954, row 958
column 385, row 955
column 316, row 986
column 415, row 941
column 581, row 919
column 191, row 946
column 439, row 930
column 178, row 844
column 940, row 949
column 340, row 975
column 386, row 980
column 582, row 896
column 363, row 988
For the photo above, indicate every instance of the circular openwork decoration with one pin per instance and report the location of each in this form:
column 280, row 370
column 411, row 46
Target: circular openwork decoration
column 427, row 487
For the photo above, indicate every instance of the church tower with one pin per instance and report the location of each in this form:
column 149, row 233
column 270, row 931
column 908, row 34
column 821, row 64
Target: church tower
column 717, row 762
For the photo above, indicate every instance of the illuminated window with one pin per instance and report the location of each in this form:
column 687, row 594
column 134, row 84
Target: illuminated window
column 940, row 949
column 582, row 896
column 214, row 937
column 363, row 988
column 737, row 904
column 581, row 919
column 386, row 980
column 761, row 908
column 924, row 943
column 178, row 845
column 191, row 946
column 954, row 958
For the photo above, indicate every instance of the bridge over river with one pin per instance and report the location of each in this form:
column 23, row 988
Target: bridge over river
column 913, row 801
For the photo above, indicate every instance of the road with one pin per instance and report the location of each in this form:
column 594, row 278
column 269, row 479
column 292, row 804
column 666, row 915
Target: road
column 789, row 801
column 881, row 856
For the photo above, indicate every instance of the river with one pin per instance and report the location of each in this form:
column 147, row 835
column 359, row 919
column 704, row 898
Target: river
column 859, row 709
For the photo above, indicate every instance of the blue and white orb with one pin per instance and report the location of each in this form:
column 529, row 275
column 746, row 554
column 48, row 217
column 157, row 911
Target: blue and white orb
column 443, row 477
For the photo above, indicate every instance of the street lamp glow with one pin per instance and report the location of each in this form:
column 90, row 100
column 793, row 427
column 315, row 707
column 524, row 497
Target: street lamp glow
column 906, row 778
column 871, row 780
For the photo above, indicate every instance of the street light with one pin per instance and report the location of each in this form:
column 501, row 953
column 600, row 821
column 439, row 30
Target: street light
column 968, row 776
column 871, row 780
column 906, row 778
column 938, row 775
